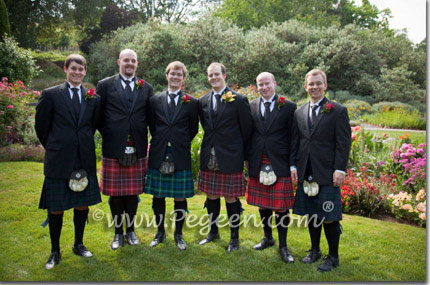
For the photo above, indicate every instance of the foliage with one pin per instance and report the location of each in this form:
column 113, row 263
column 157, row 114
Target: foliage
column 409, row 163
column 16, row 116
column 16, row 63
column 17, row 152
column 409, row 207
column 52, row 55
column 397, row 119
column 391, row 106
column 356, row 108
column 4, row 19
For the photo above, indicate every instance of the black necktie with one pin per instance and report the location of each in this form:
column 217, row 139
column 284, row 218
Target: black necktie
column 172, row 104
column 76, row 103
column 266, row 111
column 128, row 91
column 314, row 114
column 218, row 101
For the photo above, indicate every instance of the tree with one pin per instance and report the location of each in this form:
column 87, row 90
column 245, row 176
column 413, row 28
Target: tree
column 4, row 19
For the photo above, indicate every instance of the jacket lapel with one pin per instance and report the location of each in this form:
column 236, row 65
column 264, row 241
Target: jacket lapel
column 162, row 100
column 209, row 108
column 221, row 108
column 66, row 96
column 319, row 117
column 274, row 113
column 255, row 108
column 178, row 107
column 83, row 104
column 120, row 91
column 136, row 92
column 304, row 114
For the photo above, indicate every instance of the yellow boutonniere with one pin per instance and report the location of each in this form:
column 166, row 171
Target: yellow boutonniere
column 228, row 97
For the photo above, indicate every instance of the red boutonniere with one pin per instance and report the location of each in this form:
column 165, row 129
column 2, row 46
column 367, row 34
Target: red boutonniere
column 327, row 107
column 140, row 83
column 90, row 94
column 185, row 99
column 281, row 102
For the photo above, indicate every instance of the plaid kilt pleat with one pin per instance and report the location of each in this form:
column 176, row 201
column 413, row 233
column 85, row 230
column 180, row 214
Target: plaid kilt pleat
column 57, row 196
column 118, row 180
column 279, row 196
column 326, row 205
column 221, row 184
column 179, row 184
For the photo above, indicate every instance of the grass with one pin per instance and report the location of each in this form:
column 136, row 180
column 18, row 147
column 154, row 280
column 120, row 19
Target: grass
column 415, row 137
column 370, row 250
column 397, row 120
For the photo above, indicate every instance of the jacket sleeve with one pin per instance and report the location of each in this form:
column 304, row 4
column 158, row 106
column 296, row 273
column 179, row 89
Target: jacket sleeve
column 101, row 91
column 43, row 119
column 246, row 124
column 294, row 145
column 343, row 140
column 194, row 120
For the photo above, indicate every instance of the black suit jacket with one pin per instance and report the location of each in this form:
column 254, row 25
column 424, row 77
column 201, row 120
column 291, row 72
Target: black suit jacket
column 117, row 120
column 326, row 146
column 63, row 135
column 179, row 131
column 229, row 133
column 275, row 139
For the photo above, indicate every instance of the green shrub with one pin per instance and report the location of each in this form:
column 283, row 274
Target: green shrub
column 397, row 119
column 391, row 106
column 17, row 152
column 16, row 63
column 357, row 108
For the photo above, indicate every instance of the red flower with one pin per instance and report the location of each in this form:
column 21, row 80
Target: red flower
column 281, row 102
column 90, row 94
column 185, row 99
column 140, row 83
column 328, row 107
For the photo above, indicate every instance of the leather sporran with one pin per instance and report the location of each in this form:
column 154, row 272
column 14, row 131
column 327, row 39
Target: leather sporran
column 213, row 164
column 130, row 156
column 267, row 175
column 167, row 165
column 310, row 187
column 78, row 180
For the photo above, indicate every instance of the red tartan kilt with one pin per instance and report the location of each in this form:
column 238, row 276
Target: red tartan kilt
column 279, row 196
column 118, row 180
column 221, row 184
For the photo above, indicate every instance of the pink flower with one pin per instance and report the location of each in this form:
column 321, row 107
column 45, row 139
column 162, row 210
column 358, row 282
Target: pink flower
column 10, row 106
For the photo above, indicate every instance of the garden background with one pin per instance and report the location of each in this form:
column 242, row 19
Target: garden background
column 376, row 72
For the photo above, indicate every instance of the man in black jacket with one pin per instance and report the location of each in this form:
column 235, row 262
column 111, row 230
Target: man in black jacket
column 320, row 153
column 123, row 126
column 269, row 182
column 65, row 124
column 226, row 119
column 174, row 122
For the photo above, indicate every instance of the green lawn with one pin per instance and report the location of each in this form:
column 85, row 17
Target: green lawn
column 370, row 250
column 415, row 137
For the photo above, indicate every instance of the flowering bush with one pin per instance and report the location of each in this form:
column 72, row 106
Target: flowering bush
column 386, row 107
column 365, row 194
column 408, row 207
column 409, row 163
column 356, row 108
column 17, row 152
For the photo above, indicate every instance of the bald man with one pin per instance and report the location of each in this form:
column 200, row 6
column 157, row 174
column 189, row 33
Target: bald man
column 269, row 182
column 123, row 126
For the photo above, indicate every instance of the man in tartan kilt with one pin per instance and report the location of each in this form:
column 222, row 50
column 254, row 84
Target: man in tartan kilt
column 65, row 124
column 269, row 151
column 226, row 119
column 173, row 122
column 123, row 126
column 320, row 153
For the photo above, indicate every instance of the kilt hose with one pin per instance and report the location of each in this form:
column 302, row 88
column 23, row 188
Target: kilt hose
column 326, row 205
column 221, row 184
column 179, row 184
column 57, row 196
column 118, row 180
column 277, row 197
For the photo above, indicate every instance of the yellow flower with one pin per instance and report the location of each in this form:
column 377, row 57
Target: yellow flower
column 422, row 216
column 228, row 97
column 406, row 207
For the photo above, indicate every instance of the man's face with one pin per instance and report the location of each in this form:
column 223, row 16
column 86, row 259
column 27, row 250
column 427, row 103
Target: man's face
column 315, row 87
column 175, row 79
column 266, row 86
column 216, row 78
column 75, row 73
column 127, row 64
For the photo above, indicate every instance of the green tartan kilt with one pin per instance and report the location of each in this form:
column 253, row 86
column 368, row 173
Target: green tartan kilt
column 57, row 196
column 179, row 184
column 326, row 205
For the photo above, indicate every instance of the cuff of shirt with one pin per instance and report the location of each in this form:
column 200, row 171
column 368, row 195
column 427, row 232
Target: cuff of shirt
column 340, row 171
column 293, row 168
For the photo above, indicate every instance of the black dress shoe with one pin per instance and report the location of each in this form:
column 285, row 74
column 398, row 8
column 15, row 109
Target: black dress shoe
column 211, row 237
column 81, row 250
column 264, row 243
column 53, row 260
column 286, row 255
column 312, row 256
column 117, row 242
column 132, row 238
column 233, row 245
column 180, row 242
column 159, row 237
column 329, row 263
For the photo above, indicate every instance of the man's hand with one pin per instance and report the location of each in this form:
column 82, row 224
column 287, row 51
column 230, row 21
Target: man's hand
column 338, row 179
column 294, row 176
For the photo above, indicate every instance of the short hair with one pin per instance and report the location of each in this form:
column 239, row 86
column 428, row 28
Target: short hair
column 316, row 71
column 176, row 65
column 127, row 50
column 79, row 59
column 264, row 74
column 217, row 64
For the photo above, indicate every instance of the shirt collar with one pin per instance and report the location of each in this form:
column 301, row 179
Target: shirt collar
column 221, row 91
column 127, row 78
column 317, row 103
column 173, row 92
column 70, row 85
column 270, row 100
